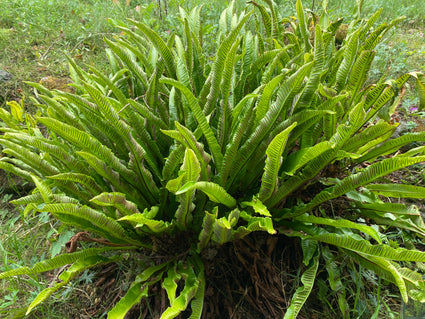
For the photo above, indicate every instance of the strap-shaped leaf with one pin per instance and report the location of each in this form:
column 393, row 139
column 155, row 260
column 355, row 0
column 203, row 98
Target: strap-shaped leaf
column 133, row 296
column 382, row 94
column 191, row 285
column 219, row 64
column 139, row 289
column 394, row 215
column 255, row 223
column 107, row 82
column 223, row 231
column 146, row 113
column 359, row 73
column 341, row 223
column 101, row 224
column 258, row 206
column 189, row 173
column 116, row 179
column 215, row 192
column 170, row 283
column 285, row 95
column 146, row 220
column 240, row 129
column 54, row 148
column 420, row 88
column 398, row 279
column 387, row 270
column 202, row 121
column 77, row 268
column 265, row 16
column 265, row 99
column 189, row 139
column 298, row 159
column 59, row 261
column 129, row 61
column 350, row 53
column 43, row 166
column 398, row 190
column 363, row 246
column 84, row 140
column 302, row 23
column 207, row 229
column 312, row 84
column 172, row 162
column 225, row 119
column 198, row 300
column 161, row 46
column 364, row 177
column 392, row 145
column 273, row 162
column 302, row 293
column 370, row 137
column 44, row 189
column 15, row 170
column 85, row 180
column 116, row 200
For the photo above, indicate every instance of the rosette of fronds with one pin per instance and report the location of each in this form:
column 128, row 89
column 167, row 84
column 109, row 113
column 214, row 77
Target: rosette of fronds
column 176, row 143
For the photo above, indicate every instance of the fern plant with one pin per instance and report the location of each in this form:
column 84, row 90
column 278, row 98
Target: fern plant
column 175, row 143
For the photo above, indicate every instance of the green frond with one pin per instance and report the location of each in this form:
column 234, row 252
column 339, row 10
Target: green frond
column 273, row 162
column 190, row 172
column 302, row 23
column 420, row 87
column 59, row 261
column 302, row 293
column 207, row 230
column 139, row 289
column 398, row 190
column 85, row 180
column 263, row 104
column 202, row 121
column 190, row 287
column 370, row 137
column 312, row 84
column 391, row 146
column 77, row 268
column 349, row 54
column 240, row 130
column 340, row 223
column 129, row 62
column 255, row 223
column 145, row 221
column 38, row 163
column 267, row 20
column 297, row 160
column 359, row 74
column 215, row 192
column 362, row 246
column 285, row 95
column 116, row 200
column 15, row 170
column 91, row 219
column 219, row 64
column 362, row 178
column 160, row 45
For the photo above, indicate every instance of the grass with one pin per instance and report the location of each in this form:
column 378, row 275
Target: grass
column 34, row 37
